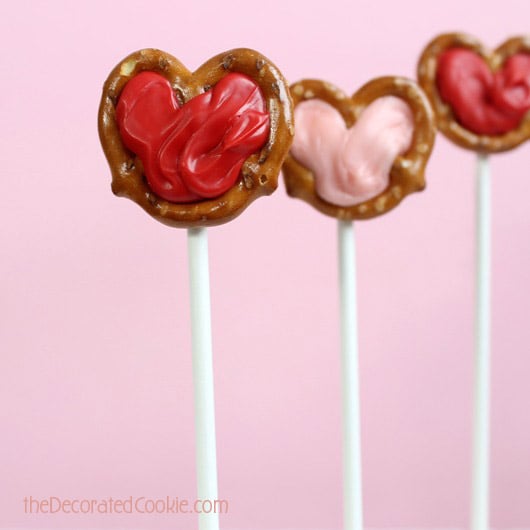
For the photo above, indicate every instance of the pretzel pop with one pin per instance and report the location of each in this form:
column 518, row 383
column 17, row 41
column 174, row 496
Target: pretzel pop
column 195, row 149
column 481, row 99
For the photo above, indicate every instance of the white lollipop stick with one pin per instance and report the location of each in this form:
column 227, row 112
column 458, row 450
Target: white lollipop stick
column 353, row 506
column 201, row 332
column 481, row 427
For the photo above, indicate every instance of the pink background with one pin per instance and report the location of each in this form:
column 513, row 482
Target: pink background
column 95, row 375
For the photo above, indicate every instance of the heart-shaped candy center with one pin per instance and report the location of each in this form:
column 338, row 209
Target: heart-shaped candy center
column 484, row 102
column 194, row 151
column 353, row 165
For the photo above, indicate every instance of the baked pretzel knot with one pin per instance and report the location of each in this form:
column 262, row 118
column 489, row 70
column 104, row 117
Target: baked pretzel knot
column 480, row 97
column 404, row 170
column 179, row 179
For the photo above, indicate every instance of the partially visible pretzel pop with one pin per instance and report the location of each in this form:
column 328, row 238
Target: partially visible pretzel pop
column 195, row 148
column 480, row 97
column 361, row 194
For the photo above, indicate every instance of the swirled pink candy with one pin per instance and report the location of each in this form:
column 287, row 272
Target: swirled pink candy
column 351, row 166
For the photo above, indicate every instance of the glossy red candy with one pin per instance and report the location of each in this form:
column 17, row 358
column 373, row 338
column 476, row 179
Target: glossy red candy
column 484, row 102
column 195, row 151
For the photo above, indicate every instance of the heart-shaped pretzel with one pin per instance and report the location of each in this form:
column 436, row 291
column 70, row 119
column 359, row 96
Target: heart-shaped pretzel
column 259, row 172
column 407, row 171
column 446, row 115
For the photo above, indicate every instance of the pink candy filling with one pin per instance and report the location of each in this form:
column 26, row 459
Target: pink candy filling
column 353, row 165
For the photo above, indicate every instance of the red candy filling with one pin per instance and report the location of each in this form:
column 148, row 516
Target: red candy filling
column 484, row 102
column 194, row 151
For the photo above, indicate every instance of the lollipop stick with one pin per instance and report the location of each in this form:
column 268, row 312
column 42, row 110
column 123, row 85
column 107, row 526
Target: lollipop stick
column 353, row 516
column 481, row 441
column 201, row 331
